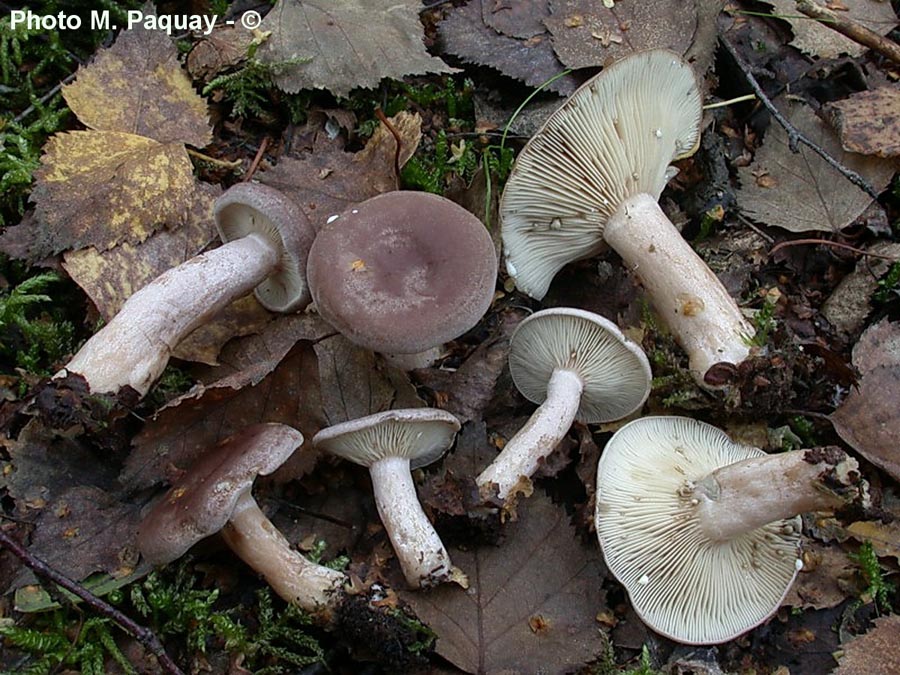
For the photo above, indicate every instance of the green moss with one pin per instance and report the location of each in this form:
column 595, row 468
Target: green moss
column 878, row 589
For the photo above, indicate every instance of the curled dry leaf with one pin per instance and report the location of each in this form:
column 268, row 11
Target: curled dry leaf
column 533, row 600
column 867, row 420
column 329, row 180
column 320, row 44
column 817, row 39
column 521, row 19
column 802, row 191
column 826, row 575
column 587, row 34
column 869, row 122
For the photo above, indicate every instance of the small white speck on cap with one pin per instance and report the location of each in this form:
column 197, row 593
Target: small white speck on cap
column 659, row 133
column 644, row 580
column 798, row 564
column 355, row 211
column 510, row 268
column 333, row 218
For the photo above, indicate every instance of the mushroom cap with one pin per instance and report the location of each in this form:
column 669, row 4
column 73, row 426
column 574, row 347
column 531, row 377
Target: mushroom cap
column 613, row 369
column 681, row 584
column 202, row 501
column 421, row 435
column 403, row 272
column 252, row 208
column 613, row 138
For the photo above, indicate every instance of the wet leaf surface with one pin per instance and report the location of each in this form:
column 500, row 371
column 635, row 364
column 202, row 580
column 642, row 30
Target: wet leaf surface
column 319, row 44
column 531, row 600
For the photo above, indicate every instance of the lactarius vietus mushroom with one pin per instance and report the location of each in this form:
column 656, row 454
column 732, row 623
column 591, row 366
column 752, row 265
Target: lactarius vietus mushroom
column 266, row 238
column 214, row 496
column 704, row 533
column 402, row 273
column 592, row 175
column 391, row 444
column 578, row 366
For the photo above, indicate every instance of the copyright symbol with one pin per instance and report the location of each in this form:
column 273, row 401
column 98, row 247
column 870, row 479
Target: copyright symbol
column 251, row 20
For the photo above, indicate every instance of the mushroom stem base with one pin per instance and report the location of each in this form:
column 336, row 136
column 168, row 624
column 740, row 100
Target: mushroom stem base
column 256, row 541
column 702, row 316
column 424, row 359
column 419, row 549
column 533, row 442
column 742, row 497
column 134, row 347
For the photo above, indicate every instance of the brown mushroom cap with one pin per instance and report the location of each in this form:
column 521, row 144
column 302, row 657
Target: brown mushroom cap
column 252, row 208
column 403, row 272
column 201, row 503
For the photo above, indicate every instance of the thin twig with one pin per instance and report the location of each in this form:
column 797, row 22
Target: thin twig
column 379, row 113
column 849, row 28
column 834, row 244
column 794, row 136
column 143, row 635
column 254, row 165
column 224, row 163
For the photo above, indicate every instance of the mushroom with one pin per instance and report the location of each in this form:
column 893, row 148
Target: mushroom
column 267, row 238
column 402, row 273
column 577, row 365
column 391, row 444
column 703, row 532
column 215, row 495
column 592, row 175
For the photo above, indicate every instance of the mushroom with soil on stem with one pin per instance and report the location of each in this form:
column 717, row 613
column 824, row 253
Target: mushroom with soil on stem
column 391, row 444
column 577, row 366
column 402, row 273
column 267, row 238
column 214, row 496
column 592, row 175
column 704, row 532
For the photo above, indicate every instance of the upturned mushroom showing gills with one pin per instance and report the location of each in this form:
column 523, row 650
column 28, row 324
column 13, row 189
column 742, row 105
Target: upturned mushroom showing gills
column 704, row 533
column 214, row 496
column 390, row 444
column 578, row 366
column 592, row 175
column 266, row 238
column 402, row 273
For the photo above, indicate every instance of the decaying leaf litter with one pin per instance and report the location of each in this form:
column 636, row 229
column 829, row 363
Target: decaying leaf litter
column 116, row 202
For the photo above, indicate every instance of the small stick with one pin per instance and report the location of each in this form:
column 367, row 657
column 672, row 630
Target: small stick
column 794, row 136
column 379, row 113
column 143, row 635
column 224, row 163
column 835, row 244
column 43, row 99
column 849, row 28
column 254, row 165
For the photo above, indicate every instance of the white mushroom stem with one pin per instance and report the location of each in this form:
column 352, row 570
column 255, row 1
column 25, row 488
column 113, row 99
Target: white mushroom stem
column 419, row 549
column 533, row 442
column 744, row 496
column 135, row 346
column 702, row 316
column 256, row 541
column 414, row 361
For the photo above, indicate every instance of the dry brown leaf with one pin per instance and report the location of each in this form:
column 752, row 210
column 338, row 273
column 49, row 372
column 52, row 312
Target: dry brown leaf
column 807, row 194
column 869, row 122
column 520, row 19
column 531, row 601
column 885, row 537
column 329, row 180
column 867, row 420
column 827, row 572
column 601, row 35
column 817, row 39
column 874, row 653
column 86, row 530
column 225, row 47
column 354, row 386
column 532, row 61
column 321, row 44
